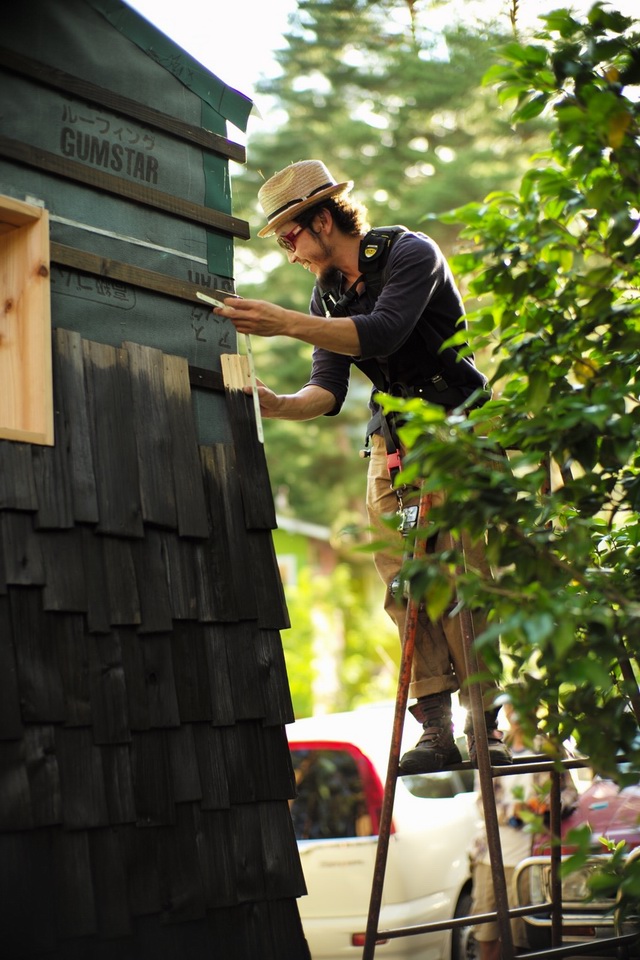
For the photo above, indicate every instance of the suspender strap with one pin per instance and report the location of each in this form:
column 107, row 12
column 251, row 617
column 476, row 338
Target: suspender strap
column 394, row 460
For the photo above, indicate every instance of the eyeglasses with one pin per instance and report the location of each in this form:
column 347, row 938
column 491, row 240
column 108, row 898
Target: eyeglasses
column 288, row 240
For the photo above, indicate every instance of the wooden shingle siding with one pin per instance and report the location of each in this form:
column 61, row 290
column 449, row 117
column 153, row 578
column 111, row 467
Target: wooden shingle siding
column 145, row 776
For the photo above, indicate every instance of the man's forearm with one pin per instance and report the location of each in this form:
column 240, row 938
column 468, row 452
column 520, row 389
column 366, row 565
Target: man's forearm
column 309, row 402
column 338, row 334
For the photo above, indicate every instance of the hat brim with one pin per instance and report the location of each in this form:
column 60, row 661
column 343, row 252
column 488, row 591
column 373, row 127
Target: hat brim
column 292, row 212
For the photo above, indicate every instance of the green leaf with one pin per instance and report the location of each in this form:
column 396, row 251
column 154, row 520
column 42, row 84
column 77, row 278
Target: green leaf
column 538, row 390
column 438, row 596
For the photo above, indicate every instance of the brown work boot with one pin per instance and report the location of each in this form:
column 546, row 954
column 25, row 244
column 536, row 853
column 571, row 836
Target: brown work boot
column 436, row 748
column 499, row 752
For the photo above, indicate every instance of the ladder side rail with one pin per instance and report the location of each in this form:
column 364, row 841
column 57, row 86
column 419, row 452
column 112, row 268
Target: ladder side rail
column 555, row 829
column 402, row 696
column 486, row 790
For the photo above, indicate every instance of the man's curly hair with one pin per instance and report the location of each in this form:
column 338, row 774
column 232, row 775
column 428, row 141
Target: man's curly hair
column 348, row 214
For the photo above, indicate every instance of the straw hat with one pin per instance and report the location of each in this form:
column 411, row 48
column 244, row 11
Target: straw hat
column 296, row 188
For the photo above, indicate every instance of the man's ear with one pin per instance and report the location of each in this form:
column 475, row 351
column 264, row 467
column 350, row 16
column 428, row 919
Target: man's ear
column 324, row 220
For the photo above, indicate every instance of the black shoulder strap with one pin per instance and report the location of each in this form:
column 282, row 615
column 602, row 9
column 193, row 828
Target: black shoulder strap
column 375, row 247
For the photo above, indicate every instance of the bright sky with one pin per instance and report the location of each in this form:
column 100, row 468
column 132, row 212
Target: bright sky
column 234, row 39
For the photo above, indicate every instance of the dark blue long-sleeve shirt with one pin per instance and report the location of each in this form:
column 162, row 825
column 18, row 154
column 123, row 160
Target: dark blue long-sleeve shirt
column 400, row 333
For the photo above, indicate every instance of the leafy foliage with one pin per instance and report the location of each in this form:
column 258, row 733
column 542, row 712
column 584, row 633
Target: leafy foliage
column 397, row 106
column 363, row 631
column 555, row 267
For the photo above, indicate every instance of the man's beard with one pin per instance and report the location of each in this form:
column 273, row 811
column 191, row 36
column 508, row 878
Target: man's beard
column 330, row 279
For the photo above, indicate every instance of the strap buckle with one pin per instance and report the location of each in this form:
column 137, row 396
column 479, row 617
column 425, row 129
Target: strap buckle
column 394, row 462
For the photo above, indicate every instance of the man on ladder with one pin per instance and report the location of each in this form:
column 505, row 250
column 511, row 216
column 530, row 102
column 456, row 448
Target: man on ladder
column 384, row 300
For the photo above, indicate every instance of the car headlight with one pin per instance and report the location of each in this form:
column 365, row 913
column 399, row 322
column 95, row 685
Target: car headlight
column 575, row 886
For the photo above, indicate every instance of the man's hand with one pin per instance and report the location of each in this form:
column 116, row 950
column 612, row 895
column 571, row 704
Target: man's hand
column 255, row 316
column 309, row 402
column 269, row 401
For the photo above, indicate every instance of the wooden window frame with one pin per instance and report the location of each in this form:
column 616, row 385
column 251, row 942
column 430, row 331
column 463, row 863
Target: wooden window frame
column 26, row 381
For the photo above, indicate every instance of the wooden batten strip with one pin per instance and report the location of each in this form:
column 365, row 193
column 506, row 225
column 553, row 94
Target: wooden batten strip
column 188, row 481
column 151, row 428
column 107, row 182
column 59, row 80
column 68, row 372
column 253, row 474
column 116, row 456
column 101, row 266
column 205, row 379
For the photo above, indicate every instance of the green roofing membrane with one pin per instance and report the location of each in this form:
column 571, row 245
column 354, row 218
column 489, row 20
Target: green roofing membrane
column 229, row 103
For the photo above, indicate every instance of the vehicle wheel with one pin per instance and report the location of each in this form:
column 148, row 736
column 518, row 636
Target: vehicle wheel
column 463, row 942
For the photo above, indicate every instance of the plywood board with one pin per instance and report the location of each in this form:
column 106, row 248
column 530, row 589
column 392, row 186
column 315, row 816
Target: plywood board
column 26, row 392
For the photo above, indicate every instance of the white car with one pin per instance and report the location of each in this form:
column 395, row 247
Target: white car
column 341, row 763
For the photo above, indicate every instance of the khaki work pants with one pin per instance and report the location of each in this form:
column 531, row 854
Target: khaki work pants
column 438, row 661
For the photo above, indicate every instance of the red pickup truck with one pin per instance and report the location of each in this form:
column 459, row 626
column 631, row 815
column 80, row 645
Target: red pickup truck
column 610, row 813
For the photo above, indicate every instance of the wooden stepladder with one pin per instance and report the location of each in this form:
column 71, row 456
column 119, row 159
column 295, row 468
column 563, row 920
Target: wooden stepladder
column 486, row 773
